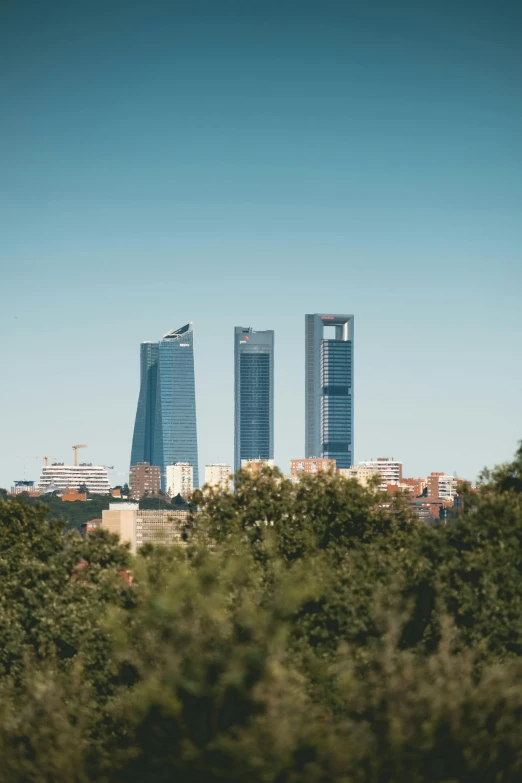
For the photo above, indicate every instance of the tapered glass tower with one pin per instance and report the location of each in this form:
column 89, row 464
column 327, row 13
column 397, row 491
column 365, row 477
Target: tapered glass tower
column 254, row 394
column 329, row 388
column 143, row 440
column 165, row 427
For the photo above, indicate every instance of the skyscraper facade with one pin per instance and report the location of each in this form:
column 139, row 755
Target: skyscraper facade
column 329, row 388
column 165, row 427
column 253, row 395
column 144, row 426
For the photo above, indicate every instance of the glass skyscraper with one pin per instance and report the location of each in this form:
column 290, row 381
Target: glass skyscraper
column 329, row 388
column 253, row 395
column 165, row 427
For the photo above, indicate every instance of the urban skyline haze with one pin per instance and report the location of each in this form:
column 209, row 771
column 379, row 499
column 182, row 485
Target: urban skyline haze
column 229, row 163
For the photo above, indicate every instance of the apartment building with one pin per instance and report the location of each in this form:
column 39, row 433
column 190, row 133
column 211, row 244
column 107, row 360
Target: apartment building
column 256, row 465
column 218, row 474
column 144, row 479
column 137, row 527
column 361, row 473
column 66, row 477
column 310, row 466
column 389, row 470
column 442, row 486
column 180, row 479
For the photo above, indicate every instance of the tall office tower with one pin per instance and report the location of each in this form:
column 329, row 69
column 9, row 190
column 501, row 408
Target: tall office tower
column 165, row 428
column 329, row 388
column 253, row 395
column 143, row 440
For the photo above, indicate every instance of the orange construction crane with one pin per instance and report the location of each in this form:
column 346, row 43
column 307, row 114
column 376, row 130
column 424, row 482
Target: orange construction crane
column 75, row 449
column 31, row 456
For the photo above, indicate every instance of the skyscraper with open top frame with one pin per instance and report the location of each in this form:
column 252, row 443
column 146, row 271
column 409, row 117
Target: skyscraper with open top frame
column 253, row 394
column 329, row 388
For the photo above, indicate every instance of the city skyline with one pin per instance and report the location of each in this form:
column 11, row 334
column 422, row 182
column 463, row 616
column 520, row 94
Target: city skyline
column 247, row 165
column 290, row 555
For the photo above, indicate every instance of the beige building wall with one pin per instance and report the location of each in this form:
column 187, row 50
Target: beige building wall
column 256, row 465
column 310, row 465
column 138, row 527
column 218, row 475
column 160, row 527
column 121, row 520
column 360, row 472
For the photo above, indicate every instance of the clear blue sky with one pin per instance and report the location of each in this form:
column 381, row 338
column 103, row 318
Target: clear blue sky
column 244, row 163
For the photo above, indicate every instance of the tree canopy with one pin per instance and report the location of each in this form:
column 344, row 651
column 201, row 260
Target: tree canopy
column 306, row 633
column 76, row 512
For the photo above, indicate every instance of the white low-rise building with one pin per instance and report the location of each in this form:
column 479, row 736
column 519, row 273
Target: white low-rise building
column 362, row 473
column 256, row 464
column 389, row 469
column 180, row 479
column 61, row 477
column 218, row 474
column 448, row 487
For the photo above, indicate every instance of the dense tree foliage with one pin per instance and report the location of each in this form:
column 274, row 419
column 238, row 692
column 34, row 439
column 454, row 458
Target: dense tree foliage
column 307, row 633
column 76, row 512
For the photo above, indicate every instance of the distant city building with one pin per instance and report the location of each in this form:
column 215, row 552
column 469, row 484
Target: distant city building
column 416, row 485
column 165, row 426
column 361, row 473
column 180, row 479
column 329, row 388
column 256, row 465
column 24, row 486
column 86, row 528
column 442, row 486
column 138, row 527
column 430, row 510
column 72, row 477
column 310, row 466
column 253, row 395
column 144, row 479
column 218, row 474
column 389, row 470
column 403, row 486
column 71, row 496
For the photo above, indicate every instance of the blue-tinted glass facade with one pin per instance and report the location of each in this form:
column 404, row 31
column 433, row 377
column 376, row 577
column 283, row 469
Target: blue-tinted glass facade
column 254, row 394
column 165, row 430
column 329, row 388
column 143, row 440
